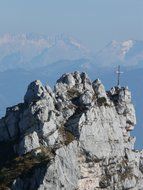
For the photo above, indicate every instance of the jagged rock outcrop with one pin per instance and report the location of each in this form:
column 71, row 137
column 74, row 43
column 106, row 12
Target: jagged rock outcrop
column 76, row 137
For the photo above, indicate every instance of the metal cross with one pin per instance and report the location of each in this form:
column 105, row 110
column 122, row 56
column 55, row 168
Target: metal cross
column 118, row 72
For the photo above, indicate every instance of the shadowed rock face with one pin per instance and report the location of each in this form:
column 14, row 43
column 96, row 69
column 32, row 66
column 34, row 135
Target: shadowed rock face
column 78, row 137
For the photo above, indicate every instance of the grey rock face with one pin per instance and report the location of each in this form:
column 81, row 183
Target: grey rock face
column 34, row 92
column 79, row 135
column 28, row 143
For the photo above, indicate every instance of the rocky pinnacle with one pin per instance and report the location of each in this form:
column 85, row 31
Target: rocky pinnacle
column 75, row 137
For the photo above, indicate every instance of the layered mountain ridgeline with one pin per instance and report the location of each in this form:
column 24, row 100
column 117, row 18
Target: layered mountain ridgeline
column 29, row 50
column 76, row 137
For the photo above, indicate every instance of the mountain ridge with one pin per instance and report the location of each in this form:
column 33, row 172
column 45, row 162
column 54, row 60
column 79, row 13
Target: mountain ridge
column 27, row 49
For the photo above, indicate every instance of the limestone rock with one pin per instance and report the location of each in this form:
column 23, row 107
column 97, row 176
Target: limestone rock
column 78, row 136
column 36, row 91
column 100, row 92
column 86, row 99
column 28, row 143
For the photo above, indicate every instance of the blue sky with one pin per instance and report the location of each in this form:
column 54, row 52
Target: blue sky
column 94, row 22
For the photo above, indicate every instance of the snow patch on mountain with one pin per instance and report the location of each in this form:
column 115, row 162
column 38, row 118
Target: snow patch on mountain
column 126, row 53
column 126, row 46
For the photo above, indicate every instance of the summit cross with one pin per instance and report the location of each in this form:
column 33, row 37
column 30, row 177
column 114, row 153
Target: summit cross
column 118, row 72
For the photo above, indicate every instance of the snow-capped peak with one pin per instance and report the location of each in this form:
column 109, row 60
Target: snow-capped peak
column 128, row 52
column 126, row 46
column 119, row 48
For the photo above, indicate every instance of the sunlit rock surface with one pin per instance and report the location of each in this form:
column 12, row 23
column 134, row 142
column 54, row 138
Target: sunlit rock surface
column 76, row 137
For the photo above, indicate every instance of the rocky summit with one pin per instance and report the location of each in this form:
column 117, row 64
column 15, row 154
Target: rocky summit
column 75, row 137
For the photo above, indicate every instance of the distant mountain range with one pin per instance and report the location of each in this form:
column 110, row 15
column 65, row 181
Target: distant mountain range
column 31, row 50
